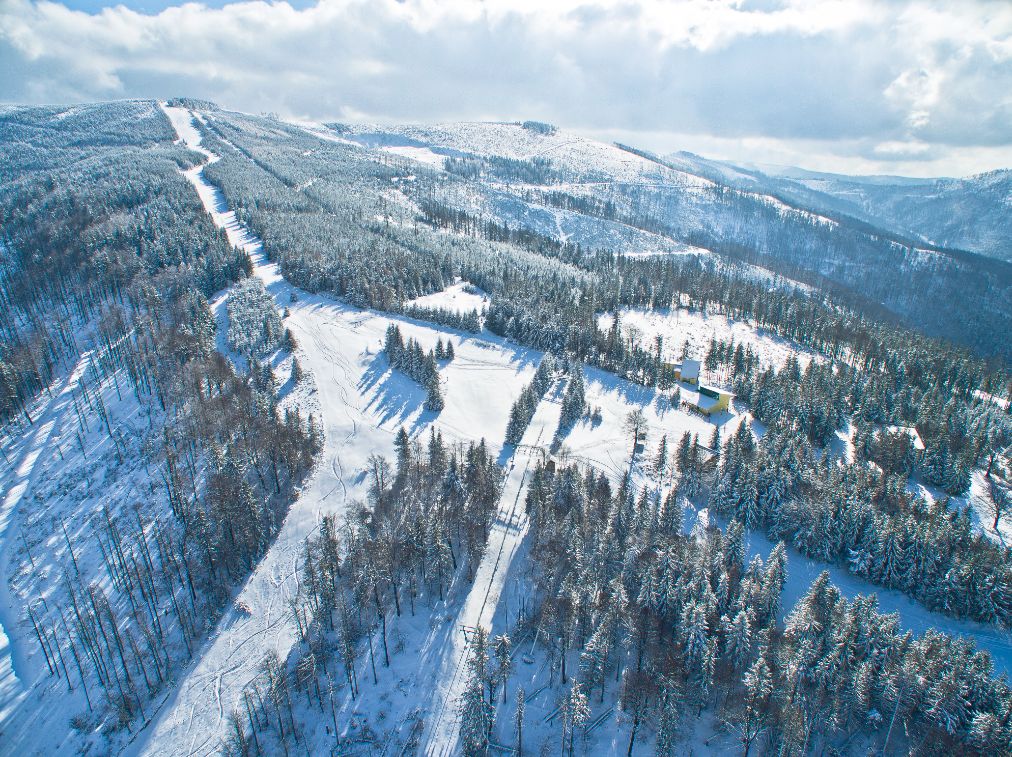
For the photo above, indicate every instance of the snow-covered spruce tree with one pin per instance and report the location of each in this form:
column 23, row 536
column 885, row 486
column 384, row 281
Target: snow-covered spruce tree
column 694, row 613
column 477, row 715
column 661, row 458
column 502, row 649
column 433, row 394
column 575, row 713
column 573, row 402
column 518, row 723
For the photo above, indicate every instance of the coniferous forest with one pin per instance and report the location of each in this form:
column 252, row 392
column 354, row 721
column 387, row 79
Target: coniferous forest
column 509, row 509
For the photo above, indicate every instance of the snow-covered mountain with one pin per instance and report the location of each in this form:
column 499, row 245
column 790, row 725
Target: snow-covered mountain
column 617, row 198
column 485, row 436
column 972, row 213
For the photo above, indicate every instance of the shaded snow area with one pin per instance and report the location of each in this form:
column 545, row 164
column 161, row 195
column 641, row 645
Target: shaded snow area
column 913, row 616
column 33, row 710
column 688, row 333
column 461, row 297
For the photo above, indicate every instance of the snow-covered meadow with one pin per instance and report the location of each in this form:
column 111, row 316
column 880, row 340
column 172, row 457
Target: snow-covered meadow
column 688, row 333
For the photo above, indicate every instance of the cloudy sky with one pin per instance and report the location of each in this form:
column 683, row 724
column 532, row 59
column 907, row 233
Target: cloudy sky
column 918, row 87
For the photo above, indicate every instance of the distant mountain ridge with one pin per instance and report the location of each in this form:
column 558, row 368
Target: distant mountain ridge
column 972, row 213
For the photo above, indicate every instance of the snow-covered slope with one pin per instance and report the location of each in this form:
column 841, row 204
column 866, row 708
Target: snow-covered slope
column 613, row 197
column 363, row 404
column 970, row 213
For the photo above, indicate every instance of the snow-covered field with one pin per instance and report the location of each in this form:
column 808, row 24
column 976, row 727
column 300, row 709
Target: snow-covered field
column 606, row 446
column 977, row 499
column 688, row 332
column 460, row 298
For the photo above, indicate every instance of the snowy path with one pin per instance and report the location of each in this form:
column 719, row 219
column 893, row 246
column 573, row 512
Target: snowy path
column 194, row 719
column 508, row 531
column 15, row 673
column 362, row 405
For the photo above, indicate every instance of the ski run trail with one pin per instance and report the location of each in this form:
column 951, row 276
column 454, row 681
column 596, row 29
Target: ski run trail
column 361, row 413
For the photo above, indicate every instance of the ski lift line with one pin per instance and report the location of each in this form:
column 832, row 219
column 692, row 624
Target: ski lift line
column 459, row 664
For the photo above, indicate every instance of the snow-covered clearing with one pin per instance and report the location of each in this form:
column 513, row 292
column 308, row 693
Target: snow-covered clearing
column 994, row 399
column 460, row 297
column 689, row 332
column 679, row 248
column 607, row 446
column 419, row 154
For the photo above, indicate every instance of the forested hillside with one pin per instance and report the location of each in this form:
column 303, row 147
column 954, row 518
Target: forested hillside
column 322, row 439
column 188, row 466
column 964, row 214
column 872, row 269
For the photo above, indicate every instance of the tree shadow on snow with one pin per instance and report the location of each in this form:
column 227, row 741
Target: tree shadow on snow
column 391, row 395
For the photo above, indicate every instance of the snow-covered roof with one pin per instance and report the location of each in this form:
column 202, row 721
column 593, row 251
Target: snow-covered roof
column 702, row 400
column 714, row 392
column 690, row 369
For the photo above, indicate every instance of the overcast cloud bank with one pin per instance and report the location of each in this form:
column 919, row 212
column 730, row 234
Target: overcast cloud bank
column 918, row 87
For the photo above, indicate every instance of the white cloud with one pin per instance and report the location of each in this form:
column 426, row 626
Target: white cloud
column 866, row 82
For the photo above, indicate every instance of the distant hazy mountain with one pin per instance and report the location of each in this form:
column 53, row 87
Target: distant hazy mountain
column 970, row 214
